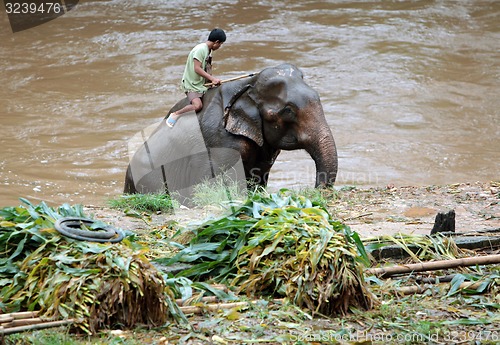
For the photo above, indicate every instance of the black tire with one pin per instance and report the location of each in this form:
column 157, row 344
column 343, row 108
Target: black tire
column 72, row 228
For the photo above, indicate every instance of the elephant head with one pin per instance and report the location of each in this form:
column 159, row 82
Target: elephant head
column 276, row 108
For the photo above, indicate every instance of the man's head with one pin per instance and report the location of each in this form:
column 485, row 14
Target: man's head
column 217, row 37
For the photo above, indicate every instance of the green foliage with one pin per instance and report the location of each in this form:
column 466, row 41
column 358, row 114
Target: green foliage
column 281, row 244
column 23, row 230
column 300, row 254
column 63, row 278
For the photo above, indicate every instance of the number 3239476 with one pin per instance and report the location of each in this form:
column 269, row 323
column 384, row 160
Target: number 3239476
column 33, row 8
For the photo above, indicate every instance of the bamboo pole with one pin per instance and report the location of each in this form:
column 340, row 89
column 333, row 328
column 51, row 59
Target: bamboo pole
column 214, row 307
column 22, row 322
column 232, row 79
column 219, row 306
column 6, row 319
column 412, row 290
column 207, row 299
column 36, row 326
column 385, row 272
column 18, row 315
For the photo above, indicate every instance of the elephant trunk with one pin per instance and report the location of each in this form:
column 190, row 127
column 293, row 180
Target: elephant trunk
column 324, row 154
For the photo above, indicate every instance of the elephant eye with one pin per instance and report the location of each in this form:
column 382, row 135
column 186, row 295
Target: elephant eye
column 288, row 113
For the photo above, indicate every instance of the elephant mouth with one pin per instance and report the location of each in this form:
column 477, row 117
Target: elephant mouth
column 290, row 143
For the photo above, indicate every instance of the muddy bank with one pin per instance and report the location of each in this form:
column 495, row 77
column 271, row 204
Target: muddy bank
column 385, row 211
column 369, row 211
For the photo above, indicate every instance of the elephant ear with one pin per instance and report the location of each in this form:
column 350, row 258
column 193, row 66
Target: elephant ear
column 242, row 116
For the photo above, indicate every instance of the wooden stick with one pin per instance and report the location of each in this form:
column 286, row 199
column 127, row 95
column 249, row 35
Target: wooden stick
column 219, row 287
column 37, row 326
column 232, row 79
column 412, row 290
column 358, row 216
column 385, row 272
column 218, row 306
column 215, row 307
column 434, row 280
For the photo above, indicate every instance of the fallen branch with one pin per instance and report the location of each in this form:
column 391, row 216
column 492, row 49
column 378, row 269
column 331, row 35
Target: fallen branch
column 385, row 272
column 358, row 216
column 417, row 289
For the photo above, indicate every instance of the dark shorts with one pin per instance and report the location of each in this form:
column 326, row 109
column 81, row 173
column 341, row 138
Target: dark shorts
column 192, row 95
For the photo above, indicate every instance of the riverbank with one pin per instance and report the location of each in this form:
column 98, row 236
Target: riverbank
column 368, row 211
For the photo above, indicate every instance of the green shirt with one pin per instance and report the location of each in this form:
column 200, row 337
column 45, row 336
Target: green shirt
column 192, row 81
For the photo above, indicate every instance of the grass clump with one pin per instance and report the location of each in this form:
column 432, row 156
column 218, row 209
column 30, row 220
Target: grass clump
column 148, row 203
column 60, row 336
column 220, row 191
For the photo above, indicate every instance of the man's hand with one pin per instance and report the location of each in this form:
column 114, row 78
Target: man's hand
column 216, row 81
column 213, row 82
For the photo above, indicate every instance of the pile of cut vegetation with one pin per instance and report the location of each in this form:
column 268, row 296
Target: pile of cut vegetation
column 281, row 245
column 98, row 285
column 276, row 245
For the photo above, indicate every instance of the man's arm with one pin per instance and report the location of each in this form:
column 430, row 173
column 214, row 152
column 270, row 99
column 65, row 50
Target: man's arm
column 200, row 71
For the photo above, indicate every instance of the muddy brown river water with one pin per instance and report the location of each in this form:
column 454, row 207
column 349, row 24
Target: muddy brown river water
column 411, row 89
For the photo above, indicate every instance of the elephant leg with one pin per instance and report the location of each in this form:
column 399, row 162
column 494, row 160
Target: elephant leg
column 129, row 183
column 257, row 169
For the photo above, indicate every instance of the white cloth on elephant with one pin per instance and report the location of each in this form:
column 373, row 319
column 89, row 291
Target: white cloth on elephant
column 177, row 160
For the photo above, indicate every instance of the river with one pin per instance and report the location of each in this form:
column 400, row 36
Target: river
column 411, row 89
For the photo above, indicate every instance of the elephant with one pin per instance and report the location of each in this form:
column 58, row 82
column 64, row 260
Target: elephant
column 244, row 123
